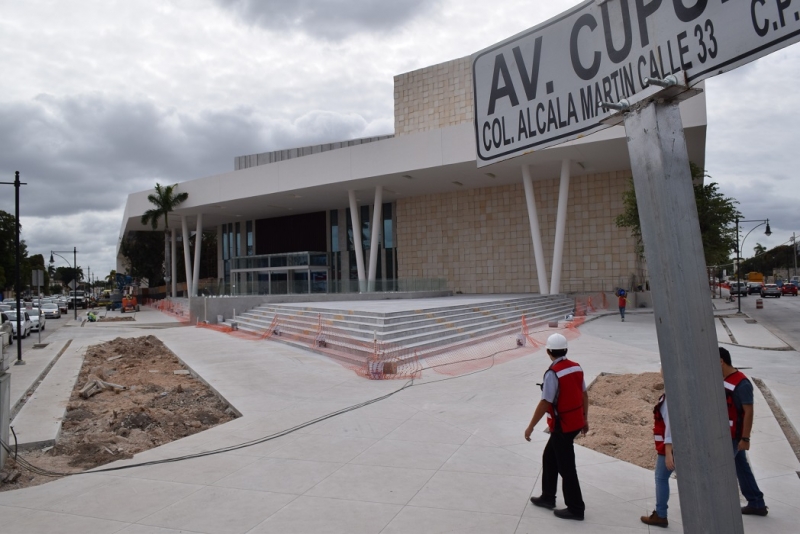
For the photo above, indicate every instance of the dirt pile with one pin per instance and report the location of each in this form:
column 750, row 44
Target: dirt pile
column 161, row 402
column 621, row 417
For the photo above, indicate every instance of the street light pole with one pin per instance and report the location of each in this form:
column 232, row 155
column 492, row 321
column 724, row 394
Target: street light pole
column 739, row 246
column 17, row 284
column 74, row 268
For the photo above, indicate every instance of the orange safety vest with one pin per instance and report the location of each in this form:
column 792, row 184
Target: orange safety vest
column 659, row 427
column 735, row 416
column 566, row 412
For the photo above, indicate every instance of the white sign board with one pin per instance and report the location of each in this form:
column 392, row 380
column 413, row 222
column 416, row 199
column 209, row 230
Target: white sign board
column 546, row 85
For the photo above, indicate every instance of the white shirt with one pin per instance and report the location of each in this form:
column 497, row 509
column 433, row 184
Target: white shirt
column 665, row 417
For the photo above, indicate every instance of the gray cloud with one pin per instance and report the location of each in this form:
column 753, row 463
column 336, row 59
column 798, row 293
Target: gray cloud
column 328, row 19
column 87, row 152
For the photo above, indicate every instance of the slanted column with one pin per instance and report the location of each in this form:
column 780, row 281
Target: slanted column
column 186, row 254
column 173, row 263
column 356, row 222
column 376, row 231
column 536, row 236
column 561, row 229
column 198, row 244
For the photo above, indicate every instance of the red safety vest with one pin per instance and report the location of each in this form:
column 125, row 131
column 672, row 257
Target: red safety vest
column 659, row 427
column 735, row 417
column 567, row 410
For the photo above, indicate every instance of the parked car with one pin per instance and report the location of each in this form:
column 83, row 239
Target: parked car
column 754, row 287
column 63, row 305
column 739, row 288
column 789, row 289
column 771, row 290
column 25, row 324
column 51, row 310
column 6, row 327
column 38, row 319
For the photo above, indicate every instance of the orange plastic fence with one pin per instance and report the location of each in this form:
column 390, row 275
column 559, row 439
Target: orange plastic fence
column 178, row 310
column 382, row 360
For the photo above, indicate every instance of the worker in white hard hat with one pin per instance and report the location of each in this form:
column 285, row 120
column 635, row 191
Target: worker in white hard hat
column 566, row 404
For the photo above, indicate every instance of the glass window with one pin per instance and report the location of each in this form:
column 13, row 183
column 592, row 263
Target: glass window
column 350, row 245
column 388, row 237
column 334, row 230
column 250, row 250
column 238, row 234
column 365, row 227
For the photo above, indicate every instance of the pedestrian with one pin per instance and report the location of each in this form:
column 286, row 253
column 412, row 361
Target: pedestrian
column 566, row 404
column 665, row 462
column 739, row 397
column 622, row 302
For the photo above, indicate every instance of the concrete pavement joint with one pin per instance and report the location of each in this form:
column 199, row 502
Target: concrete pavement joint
column 21, row 402
column 785, row 423
column 728, row 330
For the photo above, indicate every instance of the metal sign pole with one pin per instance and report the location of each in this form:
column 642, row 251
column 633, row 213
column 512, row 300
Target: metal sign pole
column 684, row 318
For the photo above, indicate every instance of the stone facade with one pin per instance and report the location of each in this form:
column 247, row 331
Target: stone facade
column 433, row 97
column 480, row 239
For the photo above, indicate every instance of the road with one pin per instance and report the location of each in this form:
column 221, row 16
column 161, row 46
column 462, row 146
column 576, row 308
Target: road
column 51, row 326
column 781, row 316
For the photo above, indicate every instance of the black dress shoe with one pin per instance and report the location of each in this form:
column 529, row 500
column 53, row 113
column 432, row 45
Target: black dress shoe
column 544, row 502
column 566, row 513
column 752, row 510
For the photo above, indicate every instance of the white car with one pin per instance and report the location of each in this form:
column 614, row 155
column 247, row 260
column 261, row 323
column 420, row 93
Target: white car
column 25, row 323
column 51, row 310
column 38, row 319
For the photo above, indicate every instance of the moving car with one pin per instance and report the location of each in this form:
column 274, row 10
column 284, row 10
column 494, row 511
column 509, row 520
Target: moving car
column 6, row 328
column 771, row 290
column 789, row 289
column 38, row 319
column 25, row 323
column 739, row 288
column 51, row 310
column 754, row 287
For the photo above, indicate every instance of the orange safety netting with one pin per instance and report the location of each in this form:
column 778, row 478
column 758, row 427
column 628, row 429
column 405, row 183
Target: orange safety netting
column 177, row 310
column 590, row 303
column 382, row 360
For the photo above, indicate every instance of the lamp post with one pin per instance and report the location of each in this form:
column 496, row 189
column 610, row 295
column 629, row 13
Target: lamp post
column 17, row 285
column 74, row 270
column 739, row 246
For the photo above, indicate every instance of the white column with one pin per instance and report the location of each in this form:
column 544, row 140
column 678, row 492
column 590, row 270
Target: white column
column 356, row 222
column 536, row 236
column 198, row 244
column 173, row 262
column 377, row 213
column 187, row 256
column 561, row 227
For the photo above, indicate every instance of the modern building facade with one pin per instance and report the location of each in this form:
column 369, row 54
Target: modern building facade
column 429, row 218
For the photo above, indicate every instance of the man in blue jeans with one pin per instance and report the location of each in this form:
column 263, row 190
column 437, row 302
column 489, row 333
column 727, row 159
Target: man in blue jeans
column 739, row 397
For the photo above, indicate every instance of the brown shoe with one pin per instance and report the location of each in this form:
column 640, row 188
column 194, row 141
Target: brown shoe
column 752, row 510
column 654, row 520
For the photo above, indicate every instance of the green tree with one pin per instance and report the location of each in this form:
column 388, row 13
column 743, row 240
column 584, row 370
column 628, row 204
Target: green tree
column 145, row 256
column 68, row 274
column 8, row 264
column 165, row 200
column 716, row 214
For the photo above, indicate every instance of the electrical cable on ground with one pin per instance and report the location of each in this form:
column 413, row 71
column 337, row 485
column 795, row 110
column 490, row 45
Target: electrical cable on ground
column 410, row 383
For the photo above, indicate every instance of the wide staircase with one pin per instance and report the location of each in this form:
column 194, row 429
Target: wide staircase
column 353, row 336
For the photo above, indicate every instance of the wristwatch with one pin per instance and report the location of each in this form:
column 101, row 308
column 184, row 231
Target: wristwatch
column 746, row 440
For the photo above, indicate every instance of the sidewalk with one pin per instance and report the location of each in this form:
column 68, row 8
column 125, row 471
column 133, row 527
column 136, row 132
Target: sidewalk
column 437, row 457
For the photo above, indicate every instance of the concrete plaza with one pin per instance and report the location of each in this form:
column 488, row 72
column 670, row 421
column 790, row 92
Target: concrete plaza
column 445, row 455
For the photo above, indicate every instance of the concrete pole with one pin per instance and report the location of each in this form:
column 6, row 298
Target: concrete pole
column 187, row 257
column 198, row 244
column 173, row 262
column 356, row 222
column 561, row 229
column 377, row 213
column 708, row 489
column 536, row 235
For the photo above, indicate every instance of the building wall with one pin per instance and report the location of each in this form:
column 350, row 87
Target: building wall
column 433, row 97
column 480, row 241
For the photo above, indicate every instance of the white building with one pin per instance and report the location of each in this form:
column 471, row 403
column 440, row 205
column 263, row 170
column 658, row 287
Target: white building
column 441, row 219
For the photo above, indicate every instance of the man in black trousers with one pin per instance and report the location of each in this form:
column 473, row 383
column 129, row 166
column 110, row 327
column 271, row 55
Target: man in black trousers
column 566, row 404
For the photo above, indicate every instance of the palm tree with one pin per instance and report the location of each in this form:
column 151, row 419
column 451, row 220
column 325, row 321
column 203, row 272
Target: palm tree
column 165, row 200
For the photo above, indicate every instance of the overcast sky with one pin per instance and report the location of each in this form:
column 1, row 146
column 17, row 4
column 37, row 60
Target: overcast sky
column 102, row 98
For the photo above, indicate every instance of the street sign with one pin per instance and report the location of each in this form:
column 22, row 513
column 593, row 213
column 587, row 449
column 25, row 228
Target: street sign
column 546, row 85
column 72, row 284
column 37, row 277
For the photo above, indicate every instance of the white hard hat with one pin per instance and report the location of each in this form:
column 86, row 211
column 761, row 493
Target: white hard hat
column 556, row 342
